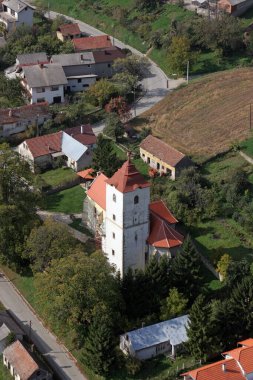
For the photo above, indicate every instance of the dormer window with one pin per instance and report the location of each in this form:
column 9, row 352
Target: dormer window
column 136, row 200
column 114, row 198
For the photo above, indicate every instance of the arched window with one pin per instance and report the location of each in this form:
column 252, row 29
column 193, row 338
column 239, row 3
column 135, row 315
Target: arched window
column 136, row 199
column 114, row 198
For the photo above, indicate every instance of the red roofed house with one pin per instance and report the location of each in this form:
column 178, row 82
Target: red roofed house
column 92, row 43
column 237, row 365
column 68, row 32
column 21, row 364
column 131, row 228
column 163, row 157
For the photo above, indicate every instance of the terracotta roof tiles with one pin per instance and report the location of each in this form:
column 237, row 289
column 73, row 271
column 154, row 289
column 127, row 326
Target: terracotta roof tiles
column 43, row 145
column 69, row 29
column 97, row 191
column 9, row 116
column 162, row 235
column 92, row 43
column 84, row 134
column 159, row 208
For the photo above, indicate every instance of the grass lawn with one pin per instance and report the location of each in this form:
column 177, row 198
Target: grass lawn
column 247, row 147
column 57, row 177
column 69, row 201
column 4, row 373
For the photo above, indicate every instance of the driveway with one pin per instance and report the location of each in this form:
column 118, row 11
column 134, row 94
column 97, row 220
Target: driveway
column 47, row 344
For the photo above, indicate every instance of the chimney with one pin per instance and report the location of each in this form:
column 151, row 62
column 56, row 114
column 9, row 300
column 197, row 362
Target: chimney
column 10, row 113
column 82, row 129
column 224, row 367
column 41, row 65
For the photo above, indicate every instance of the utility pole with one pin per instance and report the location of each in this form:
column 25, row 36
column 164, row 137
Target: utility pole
column 30, row 330
column 187, row 72
column 168, row 83
column 250, row 117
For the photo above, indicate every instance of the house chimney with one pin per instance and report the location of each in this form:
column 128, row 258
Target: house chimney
column 82, row 129
column 224, row 367
column 10, row 113
column 41, row 65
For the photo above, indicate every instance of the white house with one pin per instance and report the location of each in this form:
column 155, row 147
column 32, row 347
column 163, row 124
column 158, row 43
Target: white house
column 14, row 13
column 118, row 210
column 22, row 365
column 44, row 83
column 147, row 342
column 16, row 120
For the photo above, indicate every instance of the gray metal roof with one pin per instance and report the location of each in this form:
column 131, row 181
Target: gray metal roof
column 4, row 332
column 45, row 75
column 173, row 331
column 72, row 148
column 16, row 5
column 32, row 58
column 7, row 320
column 74, row 59
column 236, row 2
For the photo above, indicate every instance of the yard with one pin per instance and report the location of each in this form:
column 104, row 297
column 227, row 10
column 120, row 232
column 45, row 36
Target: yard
column 4, row 373
column 68, row 201
column 57, row 177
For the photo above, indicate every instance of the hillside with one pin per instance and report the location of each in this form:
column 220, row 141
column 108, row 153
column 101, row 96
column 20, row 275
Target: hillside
column 208, row 115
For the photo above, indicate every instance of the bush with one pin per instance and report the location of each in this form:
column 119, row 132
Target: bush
column 133, row 365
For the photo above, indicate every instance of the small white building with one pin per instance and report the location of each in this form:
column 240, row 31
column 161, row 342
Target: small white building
column 44, row 83
column 165, row 337
column 14, row 13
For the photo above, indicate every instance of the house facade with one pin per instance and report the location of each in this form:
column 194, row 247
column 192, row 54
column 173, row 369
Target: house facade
column 131, row 228
column 163, row 158
column 235, row 7
column 166, row 337
column 14, row 13
column 44, row 83
column 17, row 120
column 68, row 32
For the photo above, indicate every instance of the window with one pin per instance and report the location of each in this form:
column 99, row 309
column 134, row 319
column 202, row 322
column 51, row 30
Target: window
column 40, row 100
column 114, row 198
column 114, row 217
column 86, row 85
column 54, row 88
column 113, row 235
column 109, row 65
column 88, row 65
column 162, row 167
column 136, row 199
column 79, row 80
column 143, row 155
column 39, row 90
column 113, row 252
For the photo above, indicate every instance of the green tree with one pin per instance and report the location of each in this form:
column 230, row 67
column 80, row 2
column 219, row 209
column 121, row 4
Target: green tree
column 49, row 241
column 101, row 92
column 75, row 287
column 104, row 157
column 113, row 126
column 98, row 353
column 179, row 54
column 199, row 330
column 223, row 265
column 174, row 305
column 125, row 82
column 186, row 270
column 132, row 65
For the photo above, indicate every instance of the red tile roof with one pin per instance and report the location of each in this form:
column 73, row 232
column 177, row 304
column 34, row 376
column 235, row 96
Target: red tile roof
column 162, row 235
column 227, row 369
column 8, row 116
column 161, row 150
column 43, row 145
column 160, row 209
column 97, row 191
column 84, row 134
column 92, row 43
column 87, row 174
column 108, row 55
column 69, row 30
column 127, row 178
column 21, row 360
column 244, row 355
column 246, row 342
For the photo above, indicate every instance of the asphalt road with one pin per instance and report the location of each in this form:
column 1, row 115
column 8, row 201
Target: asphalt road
column 46, row 343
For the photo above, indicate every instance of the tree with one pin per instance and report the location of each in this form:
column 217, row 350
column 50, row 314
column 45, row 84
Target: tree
column 113, row 126
column 236, row 271
column 174, row 305
column 120, row 107
column 125, row 82
column 199, row 330
column 98, row 353
column 186, row 270
column 147, row 4
column 104, row 157
column 49, row 241
column 75, row 287
column 101, row 92
column 133, row 65
column 179, row 54
column 223, row 265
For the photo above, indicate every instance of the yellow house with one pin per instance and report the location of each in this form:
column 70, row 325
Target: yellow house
column 162, row 157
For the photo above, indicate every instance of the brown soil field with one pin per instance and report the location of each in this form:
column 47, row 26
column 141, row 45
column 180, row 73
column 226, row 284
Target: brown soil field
column 207, row 116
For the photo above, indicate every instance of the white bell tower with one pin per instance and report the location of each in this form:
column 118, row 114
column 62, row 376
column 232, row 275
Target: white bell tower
column 127, row 218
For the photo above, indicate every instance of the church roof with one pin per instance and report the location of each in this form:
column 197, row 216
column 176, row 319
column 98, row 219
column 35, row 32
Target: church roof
column 162, row 235
column 97, row 191
column 127, row 178
column 160, row 209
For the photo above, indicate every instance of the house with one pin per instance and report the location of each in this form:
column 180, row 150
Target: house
column 21, row 364
column 235, row 7
column 44, row 83
column 31, row 59
column 162, row 157
column 79, row 69
column 16, row 120
column 92, row 43
column 166, row 337
column 236, row 365
column 104, row 60
column 43, row 150
column 84, row 134
column 8, row 326
column 131, row 228
column 68, row 32
column 14, row 13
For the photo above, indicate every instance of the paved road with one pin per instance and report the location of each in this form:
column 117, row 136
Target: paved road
column 43, row 339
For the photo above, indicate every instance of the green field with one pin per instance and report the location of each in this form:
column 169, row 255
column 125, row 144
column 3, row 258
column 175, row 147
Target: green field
column 68, row 201
column 57, row 177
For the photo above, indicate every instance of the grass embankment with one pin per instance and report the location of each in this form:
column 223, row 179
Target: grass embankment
column 68, row 201
column 57, row 177
column 207, row 116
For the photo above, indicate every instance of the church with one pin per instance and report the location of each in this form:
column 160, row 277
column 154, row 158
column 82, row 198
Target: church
column 130, row 227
